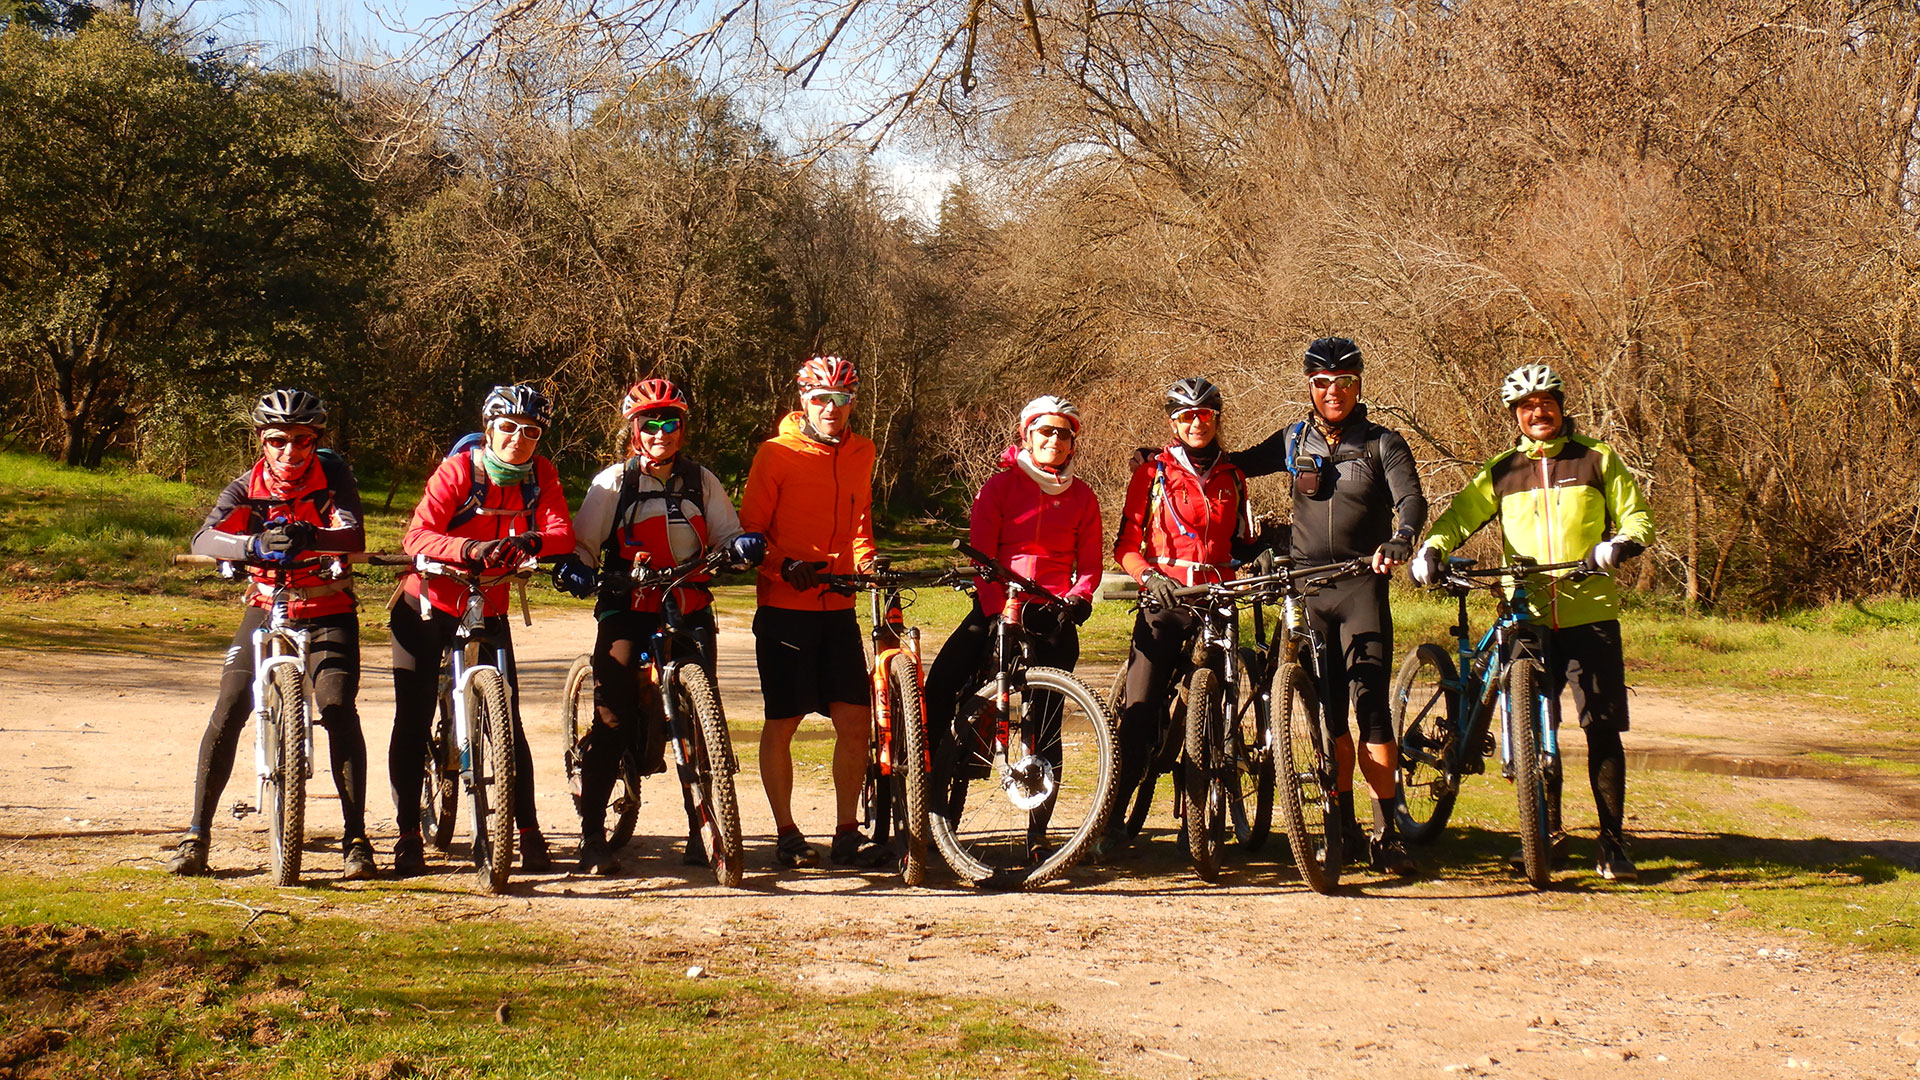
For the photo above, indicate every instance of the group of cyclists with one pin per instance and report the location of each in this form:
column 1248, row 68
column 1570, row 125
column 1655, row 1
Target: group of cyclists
column 497, row 504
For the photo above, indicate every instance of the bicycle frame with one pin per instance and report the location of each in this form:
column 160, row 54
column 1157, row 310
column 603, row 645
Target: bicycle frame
column 674, row 643
column 276, row 645
column 1515, row 633
column 471, row 630
column 891, row 637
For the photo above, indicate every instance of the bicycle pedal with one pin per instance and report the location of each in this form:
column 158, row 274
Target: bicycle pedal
column 242, row 809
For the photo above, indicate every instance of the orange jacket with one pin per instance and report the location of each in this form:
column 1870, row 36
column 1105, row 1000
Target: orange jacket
column 814, row 502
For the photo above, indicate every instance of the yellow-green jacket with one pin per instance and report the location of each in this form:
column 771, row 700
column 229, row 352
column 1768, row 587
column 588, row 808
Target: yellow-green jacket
column 1555, row 501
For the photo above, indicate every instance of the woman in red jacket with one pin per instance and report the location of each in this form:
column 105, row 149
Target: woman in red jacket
column 492, row 507
column 1040, row 521
column 1186, row 509
column 297, row 503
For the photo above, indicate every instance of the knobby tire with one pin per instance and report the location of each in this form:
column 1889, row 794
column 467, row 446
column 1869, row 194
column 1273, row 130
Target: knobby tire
column 492, row 743
column 1529, row 776
column 440, row 787
column 285, row 731
column 1251, row 771
column 713, row 766
column 1305, row 775
column 1200, row 775
column 909, row 764
column 1426, row 725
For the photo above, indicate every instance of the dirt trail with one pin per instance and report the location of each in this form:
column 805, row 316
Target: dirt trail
column 1151, row 971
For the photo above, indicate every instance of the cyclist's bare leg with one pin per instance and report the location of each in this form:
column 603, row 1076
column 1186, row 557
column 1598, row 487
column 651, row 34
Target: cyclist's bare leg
column 850, row 743
column 1343, row 756
column 776, row 767
column 1379, row 765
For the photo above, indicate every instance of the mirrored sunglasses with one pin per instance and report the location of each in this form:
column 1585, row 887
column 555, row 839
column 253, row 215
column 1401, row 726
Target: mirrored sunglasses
column 1189, row 416
column 1329, row 382
column 1049, row 431
column 838, row 398
column 661, row 425
column 281, row 442
column 515, row 427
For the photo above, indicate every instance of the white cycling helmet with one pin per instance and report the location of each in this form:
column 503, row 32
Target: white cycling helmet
column 1049, row 405
column 1529, row 379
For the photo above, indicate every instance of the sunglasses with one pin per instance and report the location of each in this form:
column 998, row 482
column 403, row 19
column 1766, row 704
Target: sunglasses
column 281, row 442
column 836, row 398
column 1330, row 382
column 1193, row 416
column 511, row 428
column 1048, row 431
column 661, row 425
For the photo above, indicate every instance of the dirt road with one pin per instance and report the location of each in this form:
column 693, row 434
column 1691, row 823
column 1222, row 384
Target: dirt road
column 1148, row 970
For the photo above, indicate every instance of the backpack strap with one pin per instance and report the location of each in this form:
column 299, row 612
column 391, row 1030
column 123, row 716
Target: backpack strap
column 1291, row 447
column 475, row 504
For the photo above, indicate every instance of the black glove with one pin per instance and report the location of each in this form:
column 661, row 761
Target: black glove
column 749, row 549
column 574, row 577
column 499, row 554
column 1077, row 610
column 280, row 540
column 1042, row 619
column 802, row 575
column 1141, row 456
column 1399, row 549
column 1158, row 588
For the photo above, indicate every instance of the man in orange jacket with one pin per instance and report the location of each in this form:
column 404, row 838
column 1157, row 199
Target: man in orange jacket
column 810, row 492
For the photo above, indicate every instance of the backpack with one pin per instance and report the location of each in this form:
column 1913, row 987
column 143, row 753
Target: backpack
column 688, row 489
column 1298, row 432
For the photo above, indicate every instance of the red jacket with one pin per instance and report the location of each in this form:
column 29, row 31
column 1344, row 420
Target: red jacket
column 326, row 497
column 1185, row 525
column 813, row 502
column 431, row 532
column 1054, row 540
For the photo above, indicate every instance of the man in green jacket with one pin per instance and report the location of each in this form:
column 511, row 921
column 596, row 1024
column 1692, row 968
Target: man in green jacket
column 1560, row 497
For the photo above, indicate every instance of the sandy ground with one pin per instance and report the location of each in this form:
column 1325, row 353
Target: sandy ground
column 1143, row 966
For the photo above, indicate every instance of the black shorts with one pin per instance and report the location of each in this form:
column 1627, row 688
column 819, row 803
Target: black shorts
column 809, row 660
column 1589, row 658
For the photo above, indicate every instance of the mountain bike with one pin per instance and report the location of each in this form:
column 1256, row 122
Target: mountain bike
column 1021, row 783
column 1308, row 774
column 478, row 756
column 696, row 727
column 283, row 710
column 893, row 800
column 1443, row 714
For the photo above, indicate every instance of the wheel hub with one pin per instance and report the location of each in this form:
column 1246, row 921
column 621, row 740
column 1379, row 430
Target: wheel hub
column 1029, row 782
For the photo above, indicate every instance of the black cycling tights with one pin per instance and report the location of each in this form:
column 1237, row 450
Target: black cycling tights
column 625, row 708
column 1351, row 617
column 1160, row 640
column 418, row 647
column 333, row 663
column 1589, row 660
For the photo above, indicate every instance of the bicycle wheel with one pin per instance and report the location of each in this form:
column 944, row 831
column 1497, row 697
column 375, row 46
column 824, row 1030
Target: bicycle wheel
column 909, row 764
column 1306, row 781
column 440, row 788
column 714, row 799
column 1426, row 724
column 490, row 730
column 285, row 733
column 1202, row 775
column 1251, row 745
column 1529, row 777
column 1021, row 819
column 576, row 716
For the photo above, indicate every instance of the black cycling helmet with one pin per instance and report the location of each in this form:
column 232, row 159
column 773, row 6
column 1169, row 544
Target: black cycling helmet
column 1192, row 392
column 517, row 400
column 1333, row 354
column 289, row 407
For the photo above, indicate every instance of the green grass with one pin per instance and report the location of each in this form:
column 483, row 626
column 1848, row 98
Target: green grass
column 1708, row 847
column 161, row 980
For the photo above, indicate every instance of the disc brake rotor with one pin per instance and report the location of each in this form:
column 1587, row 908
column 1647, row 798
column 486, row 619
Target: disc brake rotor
column 1029, row 782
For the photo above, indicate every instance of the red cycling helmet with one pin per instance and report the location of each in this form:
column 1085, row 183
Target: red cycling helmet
column 827, row 372
column 648, row 395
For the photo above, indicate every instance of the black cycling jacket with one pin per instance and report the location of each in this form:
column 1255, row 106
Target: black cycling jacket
column 1369, row 489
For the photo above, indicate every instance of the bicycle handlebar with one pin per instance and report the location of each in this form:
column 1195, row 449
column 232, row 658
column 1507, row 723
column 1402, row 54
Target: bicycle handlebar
column 669, row 577
column 1002, row 574
column 1285, row 579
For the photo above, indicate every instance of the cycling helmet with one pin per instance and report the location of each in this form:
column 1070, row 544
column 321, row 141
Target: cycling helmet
column 287, row 408
column 1529, row 379
column 827, row 373
column 1333, row 354
column 1193, row 392
column 648, row 395
column 1049, row 405
column 517, row 400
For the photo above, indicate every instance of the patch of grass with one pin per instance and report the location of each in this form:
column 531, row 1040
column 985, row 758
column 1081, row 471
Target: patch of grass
column 1897, row 768
column 168, row 987
column 1709, row 847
